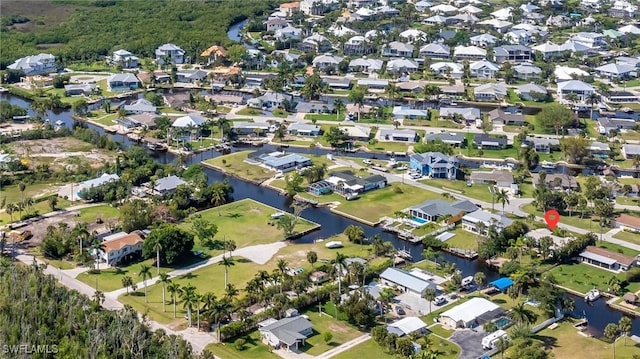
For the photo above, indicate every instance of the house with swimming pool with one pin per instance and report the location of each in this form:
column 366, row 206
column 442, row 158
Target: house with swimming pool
column 435, row 165
column 279, row 161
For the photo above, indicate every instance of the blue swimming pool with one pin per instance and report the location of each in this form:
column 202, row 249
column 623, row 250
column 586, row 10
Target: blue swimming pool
column 503, row 322
column 419, row 220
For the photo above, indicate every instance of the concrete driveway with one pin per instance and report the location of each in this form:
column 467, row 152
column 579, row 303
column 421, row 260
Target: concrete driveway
column 470, row 342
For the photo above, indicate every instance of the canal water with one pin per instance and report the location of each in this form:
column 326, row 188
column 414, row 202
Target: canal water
column 598, row 313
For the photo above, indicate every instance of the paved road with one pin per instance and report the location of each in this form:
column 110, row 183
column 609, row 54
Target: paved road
column 470, row 342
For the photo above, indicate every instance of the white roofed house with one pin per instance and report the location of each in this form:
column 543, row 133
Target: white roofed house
column 190, row 76
column 125, row 59
column 526, row 71
column 630, row 151
column 166, row 185
column 512, row 53
column 469, row 52
column 531, row 92
column 449, row 69
column 581, row 89
column 400, row 66
column 287, row 333
column 122, row 82
column 630, row 29
column 326, row 61
column 357, row 133
column 276, row 23
column 483, row 40
column 468, row 114
column 623, row 9
column 250, row 128
column 92, row 183
column 405, row 281
column 503, row 14
column 435, row 51
column 140, row 106
column 617, row 71
column 413, row 35
column 407, row 326
column 398, row 49
column 358, row 45
column 443, row 9
column 500, row 26
column 35, row 65
column 115, row 251
column 341, row 30
column 185, row 127
column 303, row 129
column 500, row 178
column 365, row 65
column 397, row 135
column 422, row 5
column 549, row 50
column 592, row 40
column 435, row 20
column 170, row 53
column 483, row 69
column 315, row 43
column 471, row 222
column 288, row 33
column 565, row 73
column 470, row 314
column 518, row 37
column 490, row 92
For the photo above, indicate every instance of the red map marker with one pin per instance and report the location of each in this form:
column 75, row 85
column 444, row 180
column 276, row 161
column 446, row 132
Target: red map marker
column 552, row 217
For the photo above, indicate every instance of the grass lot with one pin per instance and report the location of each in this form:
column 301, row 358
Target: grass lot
column 111, row 279
column 584, row 277
column 106, row 120
column 477, row 191
column 630, row 135
column 386, row 146
column 104, row 212
column 39, row 208
column 368, row 349
column 12, row 193
column 574, row 220
column 463, row 239
column 628, row 201
column 628, row 237
column 249, row 112
column 254, row 349
column 235, row 165
column 280, row 113
column 566, row 342
column 246, row 222
column 504, row 301
column 442, row 123
column 617, row 248
column 324, row 117
column 441, row 331
column 323, row 323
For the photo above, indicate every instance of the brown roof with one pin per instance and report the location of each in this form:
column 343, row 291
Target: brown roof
column 620, row 258
column 119, row 243
column 630, row 297
column 215, row 50
column 290, row 5
column 629, row 221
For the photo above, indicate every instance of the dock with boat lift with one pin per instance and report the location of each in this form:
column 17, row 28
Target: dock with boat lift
column 462, row 253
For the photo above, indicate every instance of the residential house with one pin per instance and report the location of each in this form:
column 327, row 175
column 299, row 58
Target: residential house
column 550, row 50
column 462, row 19
column 317, row 7
column 449, row 69
column 501, row 26
column 400, row 112
column 122, row 82
column 316, row 43
column 177, row 100
column 167, row 185
column 543, row 145
column 365, row 65
column 288, row 33
column 434, row 209
column 341, row 30
column 276, row 23
column 512, row 53
column 290, row 8
column 490, row 92
column 422, row 5
column 501, row 117
column 581, row 89
column 250, row 128
column 401, row 66
column 558, row 242
column 630, row 29
column 435, row 20
column 287, row 333
column 617, row 71
column 140, row 106
column 470, row 314
column 346, row 182
column 413, row 35
column 397, row 135
column 373, row 84
column 415, row 87
column 398, row 49
column 358, row 45
column 407, row 326
column 435, row 165
column 483, row 40
column 117, row 250
column 279, row 161
column 468, row 114
column 171, row 54
column 531, row 92
column 505, row 13
column 628, row 223
column 630, row 151
column 435, row 51
column 443, row 9
column 405, row 281
column 620, row 97
column 592, row 40
column 35, row 65
column 470, row 9
column 214, row 54
column 357, row 133
column 453, row 139
column 599, row 149
column 191, row 76
column 469, row 53
column 606, row 124
column 527, row 71
column 607, row 259
column 518, row 37
column 146, row 119
column 479, row 222
column 502, row 179
column 556, row 181
column 558, row 21
column 623, row 9
column 319, row 277
column 79, row 89
column 483, row 69
column 125, row 59
column 93, row 183
column 326, row 61
column 485, row 141
column 303, row 129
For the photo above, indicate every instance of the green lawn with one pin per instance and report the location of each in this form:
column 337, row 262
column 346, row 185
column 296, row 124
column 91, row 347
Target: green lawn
column 584, row 277
column 254, row 349
column 247, row 111
column 322, row 323
column 433, row 123
column 387, row 146
column 110, row 279
column 368, row 349
column 441, row 331
column 12, row 193
column 234, row 164
column 617, row 248
column 247, row 222
column 104, row 212
column 280, row 113
column 628, row 237
column 106, row 120
column 37, row 208
column 574, row 220
column 323, row 117
column 463, row 239
column 478, row 191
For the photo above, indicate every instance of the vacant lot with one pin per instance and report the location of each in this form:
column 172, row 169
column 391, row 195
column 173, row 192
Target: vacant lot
column 584, row 277
column 43, row 14
column 61, row 152
column 323, row 323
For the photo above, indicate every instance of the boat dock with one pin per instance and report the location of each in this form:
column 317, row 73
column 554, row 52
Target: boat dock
column 462, row 253
column 388, row 226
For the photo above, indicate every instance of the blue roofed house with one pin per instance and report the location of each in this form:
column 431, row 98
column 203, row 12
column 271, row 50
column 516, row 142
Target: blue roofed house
column 435, row 165
column 502, row 284
column 433, row 210
column 287, row 333
column 405, row 281
column 122, row 82
column 303, row 129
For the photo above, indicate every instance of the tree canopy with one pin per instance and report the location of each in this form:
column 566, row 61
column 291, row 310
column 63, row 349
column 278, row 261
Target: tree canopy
column 555, row 116
column 174, row 241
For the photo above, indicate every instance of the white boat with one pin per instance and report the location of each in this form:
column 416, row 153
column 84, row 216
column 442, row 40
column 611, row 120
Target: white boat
column 277, row 215
column 547, row 165
column 592, row 295
column 334, row 245
column 3, row 90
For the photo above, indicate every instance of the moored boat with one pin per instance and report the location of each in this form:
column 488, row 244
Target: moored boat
column 334, row 245
column 592, row 295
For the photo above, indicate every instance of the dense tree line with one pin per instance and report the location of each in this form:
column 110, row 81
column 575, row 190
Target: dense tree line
column 97, row 28
column 34, row 309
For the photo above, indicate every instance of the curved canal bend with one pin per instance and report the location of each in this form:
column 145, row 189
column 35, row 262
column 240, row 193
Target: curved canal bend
column 598, row 313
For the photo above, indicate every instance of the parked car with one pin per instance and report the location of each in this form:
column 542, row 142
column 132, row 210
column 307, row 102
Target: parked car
column 367, row 162
column 440, row 300
column 400, row 311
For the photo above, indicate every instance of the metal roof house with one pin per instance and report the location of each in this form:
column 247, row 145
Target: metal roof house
column 122, row 82
column 303, row 129
column 432, row 210
column 287, row 333
column 470, row 314
column 168, row 184
column 96, row 182
column 390, row 134
column 407, row 326
column 405, row 281
column 279, row 161
column 606, row 259
column 140, row 106
column 471, row 221
column 35, row 65
column 454, row 139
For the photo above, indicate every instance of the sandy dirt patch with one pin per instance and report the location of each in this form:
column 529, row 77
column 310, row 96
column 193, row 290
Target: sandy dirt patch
column 62, row 152
column 39, row 228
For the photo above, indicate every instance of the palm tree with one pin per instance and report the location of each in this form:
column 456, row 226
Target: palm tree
column 127, row 282
column 430, row 296
column 11, row 208
column 480, row 279
column 145, row 273
column 625, row 327
column 98, row 296
column 502, row 196
column 164, row 279
column 385, row 297
column 197, row 298
column 218, row 197
column 174, row 290
column 611, row 331
column 312, row 258
column 282, row 267
column 188, row 297
column 226, row 262
column 592, row 99
column 378, row 245
column 522, row 315
column 340, row 265
column 502, row 345
column 223, row 124
column 157, row 246
column 230, row 246
column 231, row 291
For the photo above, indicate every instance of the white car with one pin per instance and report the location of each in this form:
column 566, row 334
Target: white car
column 367, row 162
column 439, row 300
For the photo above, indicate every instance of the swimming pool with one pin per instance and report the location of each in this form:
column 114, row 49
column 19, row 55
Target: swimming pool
column 503, row 322
column 419, row 220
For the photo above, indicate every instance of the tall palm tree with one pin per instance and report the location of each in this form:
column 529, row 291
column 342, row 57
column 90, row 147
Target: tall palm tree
column 378, row 245
column 611, row 331
column 98, row 296
column 226, row 262
column 231, row 291
column 188, row 296
column 164, row 279
column 157, row 247
column 502, row 196
column 282, row 267
column 174, row 290
column 430, row 296
column 197, row 298
column 312, row 258
column 522, row 315
column 127, row 282
column 223, row 124
column 145, row 273
column 384, row 297
column 218, row 197
column 340, row 266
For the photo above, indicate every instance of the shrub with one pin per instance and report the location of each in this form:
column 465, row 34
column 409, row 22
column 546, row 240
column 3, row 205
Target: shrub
column 327, row 336
column 633, row 275
column 240, row 344
column 490, row 327
column 397, row 190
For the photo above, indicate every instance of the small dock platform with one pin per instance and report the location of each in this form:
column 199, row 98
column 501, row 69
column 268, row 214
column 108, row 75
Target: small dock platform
column 462, row 253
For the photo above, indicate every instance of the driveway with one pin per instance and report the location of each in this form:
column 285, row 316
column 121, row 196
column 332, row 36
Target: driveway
column 470, row 342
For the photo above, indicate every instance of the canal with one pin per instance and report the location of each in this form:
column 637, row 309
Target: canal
column 598, row 313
